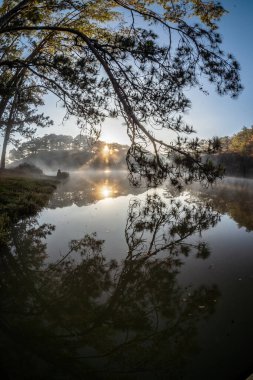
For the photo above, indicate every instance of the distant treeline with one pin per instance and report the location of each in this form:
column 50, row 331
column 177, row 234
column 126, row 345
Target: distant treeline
column 240, row 143
column 67, row 152
column 53, row 151
column 236, row 153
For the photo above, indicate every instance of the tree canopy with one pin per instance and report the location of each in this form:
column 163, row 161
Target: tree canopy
column 242, row 142
column 106, row 59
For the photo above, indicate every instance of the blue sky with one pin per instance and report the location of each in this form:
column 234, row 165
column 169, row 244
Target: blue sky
column 214, row 115
column 210, row 115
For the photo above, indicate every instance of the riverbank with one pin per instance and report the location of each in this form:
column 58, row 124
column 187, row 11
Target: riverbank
column 22, row 196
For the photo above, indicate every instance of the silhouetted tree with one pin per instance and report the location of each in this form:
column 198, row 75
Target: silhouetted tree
column 127, row 71
column 21, row 115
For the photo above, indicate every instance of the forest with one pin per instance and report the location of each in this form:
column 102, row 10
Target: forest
column 52, row 152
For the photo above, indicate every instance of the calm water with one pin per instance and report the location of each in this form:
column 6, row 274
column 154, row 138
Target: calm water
column 115, row 282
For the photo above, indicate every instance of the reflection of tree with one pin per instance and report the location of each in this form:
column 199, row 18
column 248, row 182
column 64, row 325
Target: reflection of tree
column 87, row 317
column 233, row 197
column 83, row 189
column 168, row 226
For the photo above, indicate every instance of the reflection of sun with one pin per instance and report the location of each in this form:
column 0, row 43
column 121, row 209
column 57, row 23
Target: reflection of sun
column 106, row 191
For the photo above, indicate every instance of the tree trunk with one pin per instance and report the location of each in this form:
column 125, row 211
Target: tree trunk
column 5, row 143
column 8, row 131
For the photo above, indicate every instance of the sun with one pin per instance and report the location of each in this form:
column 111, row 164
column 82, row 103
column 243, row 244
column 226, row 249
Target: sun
column 106, row 150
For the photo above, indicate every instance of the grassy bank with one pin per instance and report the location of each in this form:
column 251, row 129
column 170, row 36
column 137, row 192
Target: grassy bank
column 21, row 197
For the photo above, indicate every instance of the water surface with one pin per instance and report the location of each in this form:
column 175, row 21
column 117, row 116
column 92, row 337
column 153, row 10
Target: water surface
column 112, row 282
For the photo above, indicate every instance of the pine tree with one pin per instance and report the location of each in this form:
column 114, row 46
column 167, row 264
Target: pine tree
column 120, row 67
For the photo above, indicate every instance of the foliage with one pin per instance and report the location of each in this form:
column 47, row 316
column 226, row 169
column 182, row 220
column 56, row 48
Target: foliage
column 112, row 65
column 242, row 142
column 235, row 154
column 67, row 152
column 51, row 142
column 19, row 112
